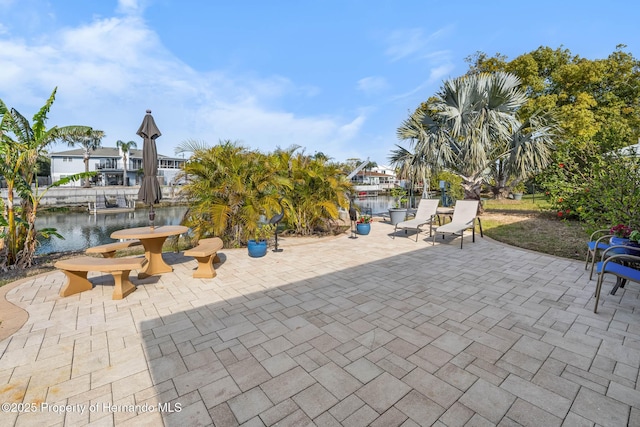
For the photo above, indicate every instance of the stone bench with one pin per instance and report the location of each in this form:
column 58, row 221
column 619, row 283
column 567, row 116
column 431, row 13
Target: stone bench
column 206, row 254
column 108, row 250
column 76, row 270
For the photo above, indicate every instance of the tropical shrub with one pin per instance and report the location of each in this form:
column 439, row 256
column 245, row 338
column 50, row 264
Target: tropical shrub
column 603, row 192
column 319, row 188
column 227, row 188
column 230, row 188
column 455, row 191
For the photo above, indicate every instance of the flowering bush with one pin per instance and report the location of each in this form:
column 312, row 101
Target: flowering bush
column 364, row 219
column 621, row 230
column 614, row 179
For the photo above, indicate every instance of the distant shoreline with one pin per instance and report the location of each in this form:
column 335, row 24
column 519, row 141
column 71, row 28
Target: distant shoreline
column 81, row 197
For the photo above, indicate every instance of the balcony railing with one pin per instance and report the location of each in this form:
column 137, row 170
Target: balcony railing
column 138, row 165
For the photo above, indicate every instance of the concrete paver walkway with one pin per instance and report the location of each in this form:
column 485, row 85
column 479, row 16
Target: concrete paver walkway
column 355, row 332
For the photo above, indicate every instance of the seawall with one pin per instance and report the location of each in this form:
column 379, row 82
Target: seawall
column 80, row 197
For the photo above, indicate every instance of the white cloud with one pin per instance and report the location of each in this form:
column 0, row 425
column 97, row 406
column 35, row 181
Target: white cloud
column 266, row 130
column 110, row 71
column 131, row 7
column 373, row 84
column 413, row 42
column 438, row 74
column 403, row 43
column 350, row 130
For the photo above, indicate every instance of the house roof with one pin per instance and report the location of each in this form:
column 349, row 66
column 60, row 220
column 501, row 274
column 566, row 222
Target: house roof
column 104, row 152
column 371, row 173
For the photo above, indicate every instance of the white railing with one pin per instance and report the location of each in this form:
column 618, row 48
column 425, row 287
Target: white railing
column 370, row 187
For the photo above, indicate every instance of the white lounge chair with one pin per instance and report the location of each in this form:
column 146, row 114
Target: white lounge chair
column 425, row 215
column 464, row 217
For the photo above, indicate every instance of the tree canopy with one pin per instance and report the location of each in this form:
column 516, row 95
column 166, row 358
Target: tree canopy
column 598, row 106
column 598, row 101
column 472, row 128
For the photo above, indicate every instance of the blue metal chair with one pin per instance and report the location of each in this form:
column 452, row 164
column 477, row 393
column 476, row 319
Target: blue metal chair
column 598, row 241
column 623, row 266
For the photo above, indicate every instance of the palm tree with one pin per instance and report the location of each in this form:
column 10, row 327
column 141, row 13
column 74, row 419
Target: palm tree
column 319, row 189
column 21, row 142
column 472, row 125
column 125, row 147
column 229, row 188
column 89, row 141
column 411, row 166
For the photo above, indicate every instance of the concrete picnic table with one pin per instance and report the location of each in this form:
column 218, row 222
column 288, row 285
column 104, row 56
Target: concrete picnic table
column 152, row 239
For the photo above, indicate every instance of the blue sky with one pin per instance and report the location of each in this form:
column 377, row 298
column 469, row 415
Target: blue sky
column 333, row 76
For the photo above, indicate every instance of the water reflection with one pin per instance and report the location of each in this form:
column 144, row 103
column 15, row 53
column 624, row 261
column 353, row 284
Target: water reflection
column 379, row 204
column 81, row 230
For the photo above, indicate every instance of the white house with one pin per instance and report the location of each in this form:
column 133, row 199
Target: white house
column 379, row 178
column 107, row 161
column 386, row 170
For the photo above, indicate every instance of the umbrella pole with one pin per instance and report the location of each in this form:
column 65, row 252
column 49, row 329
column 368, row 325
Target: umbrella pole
column 152, row 216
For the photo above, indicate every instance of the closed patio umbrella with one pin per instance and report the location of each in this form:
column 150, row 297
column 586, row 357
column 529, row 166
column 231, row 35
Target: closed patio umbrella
column 150, row 192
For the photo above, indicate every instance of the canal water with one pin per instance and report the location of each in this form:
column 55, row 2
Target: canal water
column 82, row 230
column 379, row 205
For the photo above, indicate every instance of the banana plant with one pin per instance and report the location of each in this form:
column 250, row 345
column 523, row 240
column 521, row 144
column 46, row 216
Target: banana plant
column 21, row 142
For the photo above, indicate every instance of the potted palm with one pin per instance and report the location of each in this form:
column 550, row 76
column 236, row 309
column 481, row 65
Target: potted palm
column 518, row 191
column 257, row 246
column 398, row 212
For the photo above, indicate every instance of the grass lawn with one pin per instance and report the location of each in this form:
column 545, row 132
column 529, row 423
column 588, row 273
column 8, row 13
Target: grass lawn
column 528, row 224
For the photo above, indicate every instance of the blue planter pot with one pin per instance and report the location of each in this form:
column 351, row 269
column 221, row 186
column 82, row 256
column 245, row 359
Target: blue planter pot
column 623, row 241
column 363, row 228
column 257, row 249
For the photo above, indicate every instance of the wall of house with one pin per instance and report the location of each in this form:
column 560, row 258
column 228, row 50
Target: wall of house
column 110, row 169
column 64, row 166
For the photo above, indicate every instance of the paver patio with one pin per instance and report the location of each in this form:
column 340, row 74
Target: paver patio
column 337, row 331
